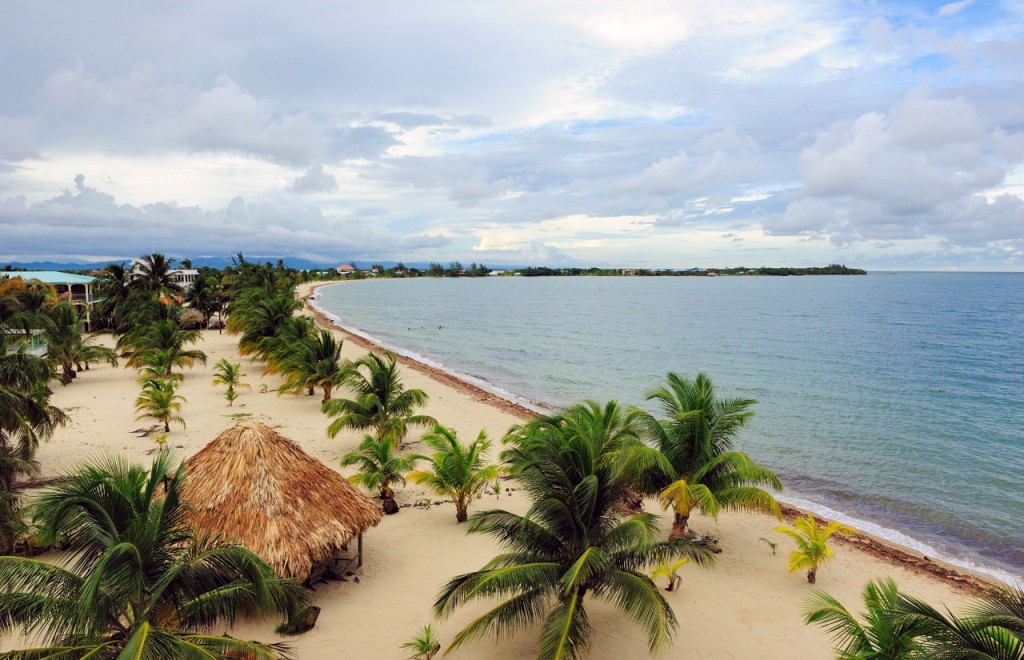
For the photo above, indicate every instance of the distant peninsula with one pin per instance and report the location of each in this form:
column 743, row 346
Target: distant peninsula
column 831, row 269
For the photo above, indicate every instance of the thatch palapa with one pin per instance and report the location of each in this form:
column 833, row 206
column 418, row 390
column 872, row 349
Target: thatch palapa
column 259, row 488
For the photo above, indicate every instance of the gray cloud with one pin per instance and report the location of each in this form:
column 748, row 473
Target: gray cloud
column 315, row 180
column 863, row 126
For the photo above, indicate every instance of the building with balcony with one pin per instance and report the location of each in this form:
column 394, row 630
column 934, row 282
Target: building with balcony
column 79, row 290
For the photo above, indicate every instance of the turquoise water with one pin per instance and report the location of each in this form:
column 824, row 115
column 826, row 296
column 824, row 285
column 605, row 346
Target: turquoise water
column 895, row 402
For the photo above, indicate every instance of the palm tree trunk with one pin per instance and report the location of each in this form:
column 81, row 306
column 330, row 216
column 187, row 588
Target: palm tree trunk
column 328, row 387
column 680, row 529
column 812, row 575
column 461, row 515
column 167, row 426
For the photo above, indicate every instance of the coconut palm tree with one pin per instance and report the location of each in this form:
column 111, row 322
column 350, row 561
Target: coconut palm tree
column 1004, row 608
column 617, row 428
column 670, row 572
column 424, row 645
column 167, row 336
column 379, row 468
column 26, row 419
column 157, row 363
column 313, row 363
column 881, row 632
column 992, row 629
column 113, row 289
column 204, row 297
column 160, row 401
column 154, row 275
column 26, row 415
column 136, row 583
column 812, row 548
column 291, row 331
column 381, row 401
column 230, row 374
column 66, row 345
column 257, row 315
column 700, row 469
column 457, row 471
column 572, row 544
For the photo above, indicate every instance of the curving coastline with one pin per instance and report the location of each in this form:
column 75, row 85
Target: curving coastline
column 968, row 580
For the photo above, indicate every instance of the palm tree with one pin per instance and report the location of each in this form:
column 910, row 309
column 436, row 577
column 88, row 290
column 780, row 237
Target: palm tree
column 571, row 544
column 157, row 363
column 424, row 645
column 66, row 346
column 204, row 297
column 379, row 468
column 160, row 401
column 382, row 403
column 313, row 363
column 136, row 583
column 457, row 471
column 113, row 289
column 670, row 572
column 992, row 629
column 166, row 335
column 881, row 633
column 699, row 468
column 229, row 374
column 291, row 331
column 257, row 315
column 26, row 415
column 616, row 428
column 154, row 275
column 812, row 548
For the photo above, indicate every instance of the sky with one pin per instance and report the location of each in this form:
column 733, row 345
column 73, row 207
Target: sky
column 649, row 133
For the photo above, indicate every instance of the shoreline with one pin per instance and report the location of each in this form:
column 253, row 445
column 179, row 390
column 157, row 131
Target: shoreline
column 970, row 581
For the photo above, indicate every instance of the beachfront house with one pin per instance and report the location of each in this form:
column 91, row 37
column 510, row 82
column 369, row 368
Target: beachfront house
column 183, row 277
column 255, row 486
column 346, row 269
column 79, row 290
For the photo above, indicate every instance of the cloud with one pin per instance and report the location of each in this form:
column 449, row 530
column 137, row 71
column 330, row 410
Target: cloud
column 806, row 129
column 88, row 221
column 955, row 7
column 315, row 180
column 919, row 170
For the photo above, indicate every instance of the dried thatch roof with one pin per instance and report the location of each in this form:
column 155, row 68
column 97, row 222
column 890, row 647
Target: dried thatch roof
column 259, row 488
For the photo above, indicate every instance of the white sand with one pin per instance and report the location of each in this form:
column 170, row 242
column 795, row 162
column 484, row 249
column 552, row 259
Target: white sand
column 746, row 607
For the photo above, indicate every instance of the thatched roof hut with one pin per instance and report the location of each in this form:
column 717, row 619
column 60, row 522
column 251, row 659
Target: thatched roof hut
column 259, row 488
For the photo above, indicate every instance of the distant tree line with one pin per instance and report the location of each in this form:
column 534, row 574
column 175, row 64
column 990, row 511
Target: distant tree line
column 457, row 269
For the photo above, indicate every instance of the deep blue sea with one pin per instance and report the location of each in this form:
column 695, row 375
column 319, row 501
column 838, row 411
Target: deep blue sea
column 892, row 401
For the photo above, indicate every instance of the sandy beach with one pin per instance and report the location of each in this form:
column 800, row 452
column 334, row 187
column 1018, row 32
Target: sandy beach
column 747, row 606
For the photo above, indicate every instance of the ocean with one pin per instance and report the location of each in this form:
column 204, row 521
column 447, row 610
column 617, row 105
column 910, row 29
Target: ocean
column 893, row 402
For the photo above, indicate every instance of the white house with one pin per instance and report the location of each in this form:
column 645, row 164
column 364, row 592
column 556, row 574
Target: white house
column 183, row 277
